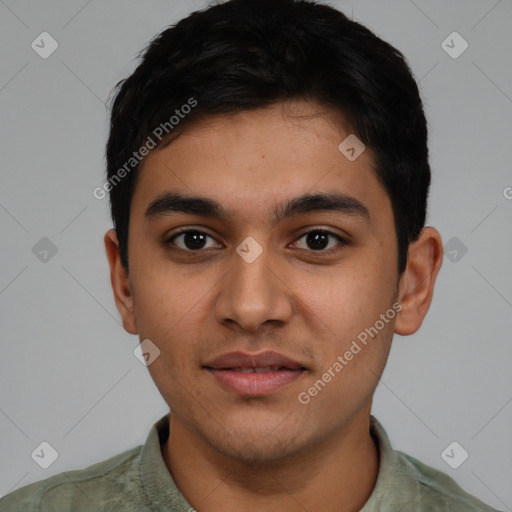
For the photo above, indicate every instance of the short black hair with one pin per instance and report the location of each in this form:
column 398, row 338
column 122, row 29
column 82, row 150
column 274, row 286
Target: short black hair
column 246, row 54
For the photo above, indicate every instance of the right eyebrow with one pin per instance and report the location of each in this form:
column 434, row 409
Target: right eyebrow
column 170, row 202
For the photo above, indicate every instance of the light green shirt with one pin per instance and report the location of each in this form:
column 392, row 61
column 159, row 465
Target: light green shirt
column 138, row 481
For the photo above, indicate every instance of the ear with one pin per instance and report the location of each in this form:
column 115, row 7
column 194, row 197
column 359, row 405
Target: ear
column 120, row 282
column 416, row 286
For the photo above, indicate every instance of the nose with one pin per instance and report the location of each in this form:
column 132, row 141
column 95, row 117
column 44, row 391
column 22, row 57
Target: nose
column 254, row 293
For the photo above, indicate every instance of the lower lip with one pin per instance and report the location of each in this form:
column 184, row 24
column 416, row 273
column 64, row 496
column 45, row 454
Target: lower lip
column 255, row 384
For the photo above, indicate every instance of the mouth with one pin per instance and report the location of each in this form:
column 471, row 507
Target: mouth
column 257, row 369
column 254, row 374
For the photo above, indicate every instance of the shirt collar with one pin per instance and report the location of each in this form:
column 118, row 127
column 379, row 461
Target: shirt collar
column 157, row 482
column 382, row 493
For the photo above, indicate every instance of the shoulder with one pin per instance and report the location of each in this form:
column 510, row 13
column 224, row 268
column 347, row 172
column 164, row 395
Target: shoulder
column 81, row 489
column 406, row 483
column 437, row 491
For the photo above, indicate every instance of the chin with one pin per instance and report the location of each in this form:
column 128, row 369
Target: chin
column 257, row 442
column 258, row 452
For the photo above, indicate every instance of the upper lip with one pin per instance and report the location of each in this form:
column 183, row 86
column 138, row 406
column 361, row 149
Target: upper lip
column 264, row 359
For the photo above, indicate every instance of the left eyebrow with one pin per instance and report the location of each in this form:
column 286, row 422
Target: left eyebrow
column 322, row 202
column 173, row 202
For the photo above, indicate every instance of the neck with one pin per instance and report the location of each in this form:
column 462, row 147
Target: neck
column 336, row 475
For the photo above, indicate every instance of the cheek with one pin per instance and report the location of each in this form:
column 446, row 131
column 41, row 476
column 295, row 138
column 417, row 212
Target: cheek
column 343, row 306
column 165, row 300
column 347, row 296
column 171, row 310
column 167, row 313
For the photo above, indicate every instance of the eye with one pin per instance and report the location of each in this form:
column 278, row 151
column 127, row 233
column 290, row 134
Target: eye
column 318, row 241
column 191, row 240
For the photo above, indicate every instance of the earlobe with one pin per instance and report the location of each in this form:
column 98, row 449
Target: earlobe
column 416, row 286
column 120, row 282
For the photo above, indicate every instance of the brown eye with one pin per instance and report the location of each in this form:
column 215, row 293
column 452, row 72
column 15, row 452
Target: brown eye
column 191, row 240
column 319, row 240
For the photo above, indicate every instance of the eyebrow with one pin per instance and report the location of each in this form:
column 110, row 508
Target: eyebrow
column 169, row 203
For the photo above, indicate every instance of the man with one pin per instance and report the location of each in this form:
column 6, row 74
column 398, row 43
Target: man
column 268, row 175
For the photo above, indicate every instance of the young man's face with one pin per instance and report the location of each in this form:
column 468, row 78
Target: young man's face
column 198, row 298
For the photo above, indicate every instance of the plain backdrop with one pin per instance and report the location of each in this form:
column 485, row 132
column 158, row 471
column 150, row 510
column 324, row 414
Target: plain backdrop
column 68, row 373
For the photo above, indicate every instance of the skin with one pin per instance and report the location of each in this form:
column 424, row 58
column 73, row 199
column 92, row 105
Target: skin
column 227, row 452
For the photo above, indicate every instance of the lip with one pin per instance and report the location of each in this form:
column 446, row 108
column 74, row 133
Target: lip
column 245, row 360
column 254, row 374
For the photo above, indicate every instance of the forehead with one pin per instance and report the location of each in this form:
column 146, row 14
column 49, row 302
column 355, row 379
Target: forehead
column 252, row 161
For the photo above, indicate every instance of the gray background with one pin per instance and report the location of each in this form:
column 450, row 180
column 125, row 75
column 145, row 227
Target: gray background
column 69, row 376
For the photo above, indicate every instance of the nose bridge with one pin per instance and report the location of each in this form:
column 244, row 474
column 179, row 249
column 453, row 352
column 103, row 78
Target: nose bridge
column 252, row 276
column 252, row 293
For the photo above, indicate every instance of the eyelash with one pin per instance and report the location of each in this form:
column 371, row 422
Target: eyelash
column 169, row 242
